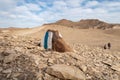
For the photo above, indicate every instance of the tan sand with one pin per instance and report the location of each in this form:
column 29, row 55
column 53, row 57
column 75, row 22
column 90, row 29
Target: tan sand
column 90, row 37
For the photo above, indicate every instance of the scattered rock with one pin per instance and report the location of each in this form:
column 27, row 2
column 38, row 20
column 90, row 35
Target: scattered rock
column 66, row 72
column 7, row 71
column 18, row 49
column 50, row 60
column 10, row 58
column 43, row 65
column 49, row 77
column 83, row 67
column 8, row 52
column 22, row 59
column 116, row 67
column 1, row 69
column 107, row 63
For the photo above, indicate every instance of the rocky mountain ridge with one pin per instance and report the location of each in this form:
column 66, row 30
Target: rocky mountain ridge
column 85, row 24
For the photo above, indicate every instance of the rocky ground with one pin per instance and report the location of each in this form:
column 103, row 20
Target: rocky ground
column 22, row 58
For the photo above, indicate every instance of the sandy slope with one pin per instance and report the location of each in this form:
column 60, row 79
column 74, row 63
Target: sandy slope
column 90, row 37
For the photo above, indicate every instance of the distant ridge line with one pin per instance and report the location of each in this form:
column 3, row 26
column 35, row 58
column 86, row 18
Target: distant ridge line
column 85, row 24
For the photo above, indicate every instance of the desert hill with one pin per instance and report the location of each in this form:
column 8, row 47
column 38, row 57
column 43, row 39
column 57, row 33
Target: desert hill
column 22, row 57
column 90, row 37
column 85, row 24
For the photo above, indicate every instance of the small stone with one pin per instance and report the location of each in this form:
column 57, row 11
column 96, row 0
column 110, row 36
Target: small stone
column 1, row 69
column 116, row 67
column 95, row 70
column 42, row 65
column 83, row 67
column 7, row 71
column 16, row 74
column 88, row 77
column 15, row 79
column 30, row 47
column 108, row 62
column 14, row 37
column 39, row 75
column 5, row 53
column 116, row 77
column 10, row 58
column 45, row 55
column 8, row 75
column 19, row 49
column 62, row 60
column 51, row 60
column 1, row 37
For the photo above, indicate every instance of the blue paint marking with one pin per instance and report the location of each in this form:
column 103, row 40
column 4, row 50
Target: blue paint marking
column 46, row 40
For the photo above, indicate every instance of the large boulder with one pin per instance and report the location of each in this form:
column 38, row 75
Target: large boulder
column 65, row 72
column 58, row 43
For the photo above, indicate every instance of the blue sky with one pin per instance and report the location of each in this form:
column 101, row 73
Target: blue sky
column 32, row 13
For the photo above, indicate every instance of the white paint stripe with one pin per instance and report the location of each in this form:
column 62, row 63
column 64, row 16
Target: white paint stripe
column 50, row 35
column 42, row 41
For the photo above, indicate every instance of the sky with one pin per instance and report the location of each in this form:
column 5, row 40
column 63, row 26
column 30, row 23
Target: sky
column 33, row 13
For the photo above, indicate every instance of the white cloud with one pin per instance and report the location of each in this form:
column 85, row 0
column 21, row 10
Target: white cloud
column 12, row 16
column 111, row 4
column 21, row 16
column 33, row 7
column 99, row 11
column 2, row 13
column 7, row 4
column 74, row 3
column 20, row 9
column 42, row 4
column 59, row 5
column 35, row 14
column 92, row 3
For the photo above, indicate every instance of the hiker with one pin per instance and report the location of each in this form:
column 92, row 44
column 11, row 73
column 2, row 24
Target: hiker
column 105, row 47
column 109, row 45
